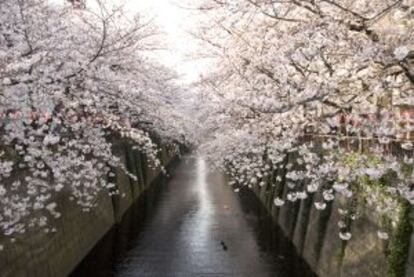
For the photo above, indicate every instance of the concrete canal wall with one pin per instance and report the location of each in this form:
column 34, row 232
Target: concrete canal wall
column 57, row 254
column 314, row 234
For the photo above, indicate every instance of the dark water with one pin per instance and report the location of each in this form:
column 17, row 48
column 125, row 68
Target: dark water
column 194, row 225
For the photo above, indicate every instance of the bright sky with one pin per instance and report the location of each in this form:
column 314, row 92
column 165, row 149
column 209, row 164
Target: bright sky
column 175, row 21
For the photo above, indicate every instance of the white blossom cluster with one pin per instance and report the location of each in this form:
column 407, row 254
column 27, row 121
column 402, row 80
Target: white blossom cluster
column 71, row 79
column 297, row 82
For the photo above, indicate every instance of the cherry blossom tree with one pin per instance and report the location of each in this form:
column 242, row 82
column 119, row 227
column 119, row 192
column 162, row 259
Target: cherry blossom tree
column 73, row 74
column 288, row 73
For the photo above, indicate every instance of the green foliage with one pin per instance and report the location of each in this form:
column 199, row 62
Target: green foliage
column 356, row 160
column 407, row 169
column 399, row 248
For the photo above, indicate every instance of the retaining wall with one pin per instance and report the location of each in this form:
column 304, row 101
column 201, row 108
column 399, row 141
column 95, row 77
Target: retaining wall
column 314, row 234
column 56, row 254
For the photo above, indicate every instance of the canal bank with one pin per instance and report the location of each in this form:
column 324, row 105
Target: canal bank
column 56, row 254
column 193, row 224
column 315, row 233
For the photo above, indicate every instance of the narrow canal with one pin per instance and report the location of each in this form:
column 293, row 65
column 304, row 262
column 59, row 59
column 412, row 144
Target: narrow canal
column 193, row 224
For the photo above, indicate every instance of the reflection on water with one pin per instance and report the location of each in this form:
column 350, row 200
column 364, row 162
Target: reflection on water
column 194, row 225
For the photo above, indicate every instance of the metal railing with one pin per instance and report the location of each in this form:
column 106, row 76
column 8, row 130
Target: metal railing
column 366, row 145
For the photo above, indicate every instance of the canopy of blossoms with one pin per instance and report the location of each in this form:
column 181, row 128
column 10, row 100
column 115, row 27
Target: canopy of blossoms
column 73, row 76
column 297, row 83
column 320, row 89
